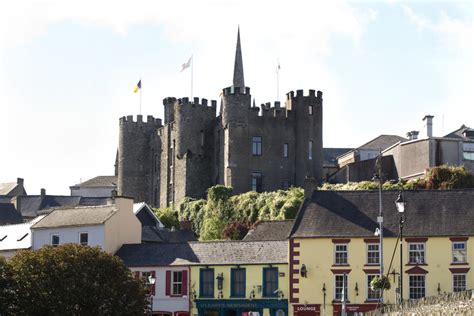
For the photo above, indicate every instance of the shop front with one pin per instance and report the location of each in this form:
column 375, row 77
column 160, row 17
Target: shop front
column 353, row 309
column 307, row 309
column 257, row 307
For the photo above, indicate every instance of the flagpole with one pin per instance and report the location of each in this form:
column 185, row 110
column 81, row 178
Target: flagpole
column 278, row 81
column 192, row 66
column 140, row 111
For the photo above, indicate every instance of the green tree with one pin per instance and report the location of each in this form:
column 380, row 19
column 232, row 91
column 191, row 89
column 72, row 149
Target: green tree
column 168, row 216
column 74, row 280
column 6, row 290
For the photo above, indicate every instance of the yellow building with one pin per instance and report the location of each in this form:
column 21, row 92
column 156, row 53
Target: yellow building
column 237, row 278
column 332, row 247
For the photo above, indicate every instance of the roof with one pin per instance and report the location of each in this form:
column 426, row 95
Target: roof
column 17, row 236
column 330, row 155
column 354, row 214
column 79, row 216
column 382, row 142
column 6, row 188
column 9, row 214
column 145, row 215
column 459, row 133
column 205, row 253
column 154, row 234
column 30, row 205
column 99, row 181
column 270, row 230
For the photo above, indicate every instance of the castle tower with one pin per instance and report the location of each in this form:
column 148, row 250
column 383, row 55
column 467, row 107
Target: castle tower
column 135, row 157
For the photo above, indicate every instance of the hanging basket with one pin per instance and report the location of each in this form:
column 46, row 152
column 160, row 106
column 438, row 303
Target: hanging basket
column 379, row 283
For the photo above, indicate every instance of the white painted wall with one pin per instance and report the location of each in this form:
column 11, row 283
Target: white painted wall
column 42, row 237
column 161, row 302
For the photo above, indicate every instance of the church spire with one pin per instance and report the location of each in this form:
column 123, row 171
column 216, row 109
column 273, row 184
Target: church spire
column 238, row 65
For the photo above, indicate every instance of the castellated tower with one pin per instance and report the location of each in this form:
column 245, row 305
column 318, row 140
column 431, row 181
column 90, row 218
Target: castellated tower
column 134, row 157
column 264, row 148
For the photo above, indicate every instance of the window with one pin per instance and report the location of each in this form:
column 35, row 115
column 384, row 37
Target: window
column 459, row 252
column 417, row 286
column 202, row 138
column 147, row 275
column 468, row 151
column 207, row 283
column 340, row 254
column 257, row 145
column 83, row 239
column 372, row 295
column 256, row 182
column 416, row 253
column 310, row 150
column 54, row 240
column 373, row 255
column 270, row 282
column 285, row 150
column 459, row 282
column 310, row 110
column 177, row 283
column 237, row 282
column 340, row 282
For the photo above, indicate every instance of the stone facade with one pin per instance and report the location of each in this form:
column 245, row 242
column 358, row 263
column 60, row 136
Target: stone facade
column 246, row 147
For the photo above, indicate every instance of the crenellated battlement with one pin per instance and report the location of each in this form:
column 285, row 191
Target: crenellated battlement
column 236, row 90
column 300, row 93
column 198, row 102
column 150, row 121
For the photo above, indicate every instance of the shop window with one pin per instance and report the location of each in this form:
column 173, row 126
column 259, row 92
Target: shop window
column 417, row 286
column 270, row 282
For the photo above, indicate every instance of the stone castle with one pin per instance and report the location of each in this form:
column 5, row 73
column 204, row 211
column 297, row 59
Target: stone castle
column 245, row 147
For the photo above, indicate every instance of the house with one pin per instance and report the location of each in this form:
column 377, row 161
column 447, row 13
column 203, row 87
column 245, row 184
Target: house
column 12, row 188
column 9, row 215
column 16, row 237
column 106, row 226
column 332, row 245
column 100, row 186
column 213, row 278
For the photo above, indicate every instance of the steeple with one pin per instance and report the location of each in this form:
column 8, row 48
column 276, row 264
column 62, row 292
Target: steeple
column 238, row 65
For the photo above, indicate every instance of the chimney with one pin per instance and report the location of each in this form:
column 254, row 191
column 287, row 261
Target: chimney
column 414, row 134
column 309, row 187
column 185, row 225
column 19, row 181
column 409, row 136
column 429, row 125
column 43, row 192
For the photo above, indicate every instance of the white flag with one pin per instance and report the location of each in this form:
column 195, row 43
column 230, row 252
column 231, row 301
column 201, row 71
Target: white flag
column 187, row 64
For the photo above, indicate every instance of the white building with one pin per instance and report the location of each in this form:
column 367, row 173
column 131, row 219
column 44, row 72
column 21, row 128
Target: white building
column 16, row 237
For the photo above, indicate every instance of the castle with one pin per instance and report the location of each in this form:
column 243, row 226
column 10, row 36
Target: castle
column 245, row 147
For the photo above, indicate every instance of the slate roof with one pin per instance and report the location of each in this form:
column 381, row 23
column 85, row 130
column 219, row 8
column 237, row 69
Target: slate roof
column 99, row 181
column 205, row 253
column 382, row 142
column 16, row 236
column 79, row 216
column 9, row 214
column 162, row 235
column 354, row 214
column 459, row 133
column 270, row 230
column 6, row 188
column 330, row 155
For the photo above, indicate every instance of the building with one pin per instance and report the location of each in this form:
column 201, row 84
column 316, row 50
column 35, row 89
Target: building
column 220, row 278
column 100, row 186
column 195, row 148
column 108, row 227
column 332, row 245
column 12, row 188
column 16, row 237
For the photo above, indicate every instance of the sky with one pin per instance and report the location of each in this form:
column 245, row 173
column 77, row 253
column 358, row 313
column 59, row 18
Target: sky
column 68, row 69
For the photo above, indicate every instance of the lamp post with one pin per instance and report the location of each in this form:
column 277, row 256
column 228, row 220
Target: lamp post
column 400, row 203
column 378, row 177
column 151, row 282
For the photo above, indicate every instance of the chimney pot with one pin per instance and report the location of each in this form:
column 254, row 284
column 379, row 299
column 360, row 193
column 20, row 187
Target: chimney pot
column 429, row 125
column 19, row 181
column 43, row 192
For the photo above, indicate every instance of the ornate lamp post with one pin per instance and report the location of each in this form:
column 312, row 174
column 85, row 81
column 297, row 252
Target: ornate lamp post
column 400, row 204
column 378, row 178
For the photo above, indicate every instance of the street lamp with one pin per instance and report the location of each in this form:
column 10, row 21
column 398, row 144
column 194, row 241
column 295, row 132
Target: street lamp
column 151, row 282
column 378, row 178
column 400, row 204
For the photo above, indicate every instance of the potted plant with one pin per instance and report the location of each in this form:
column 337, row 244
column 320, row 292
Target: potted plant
column 379, row 283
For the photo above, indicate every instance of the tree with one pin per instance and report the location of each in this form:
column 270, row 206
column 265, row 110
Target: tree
column 74, row 280
column 6, row 291
column 167, row 216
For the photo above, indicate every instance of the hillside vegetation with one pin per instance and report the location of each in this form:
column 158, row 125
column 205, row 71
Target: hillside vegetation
column 226, row 216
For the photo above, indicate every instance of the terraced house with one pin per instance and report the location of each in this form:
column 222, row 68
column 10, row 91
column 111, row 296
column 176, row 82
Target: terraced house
column 332, row 247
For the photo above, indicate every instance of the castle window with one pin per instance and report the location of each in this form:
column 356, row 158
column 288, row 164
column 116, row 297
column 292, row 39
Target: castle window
column 257, row 145
column 310, row 150
column 285, row 150
column 256, row 183
column 202, row 138
column 310, row 110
